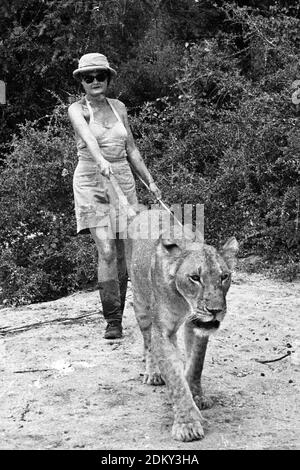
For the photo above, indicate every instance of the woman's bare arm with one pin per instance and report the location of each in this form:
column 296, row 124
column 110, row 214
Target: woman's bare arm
column 82, row 129
column 134, row 156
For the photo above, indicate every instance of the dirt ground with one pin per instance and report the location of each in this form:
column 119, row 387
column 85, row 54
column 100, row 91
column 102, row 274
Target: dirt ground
column 64, row 387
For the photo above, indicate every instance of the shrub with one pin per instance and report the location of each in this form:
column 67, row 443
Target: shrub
column 219, row 128
column 41, row 256
column 232, row 146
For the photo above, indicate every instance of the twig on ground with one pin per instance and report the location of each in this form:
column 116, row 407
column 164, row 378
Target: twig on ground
column 25, row 411
column 10, row 331
column 273, row 360
column 30, row 370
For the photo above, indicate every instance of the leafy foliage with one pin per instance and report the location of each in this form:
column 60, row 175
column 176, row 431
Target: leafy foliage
column 41, row 256
column 211, row 112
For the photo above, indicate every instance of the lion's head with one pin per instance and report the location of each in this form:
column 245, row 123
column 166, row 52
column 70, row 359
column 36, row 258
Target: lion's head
column 197, row 273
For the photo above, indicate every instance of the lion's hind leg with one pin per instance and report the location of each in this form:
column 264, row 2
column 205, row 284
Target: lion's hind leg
column 142, row 308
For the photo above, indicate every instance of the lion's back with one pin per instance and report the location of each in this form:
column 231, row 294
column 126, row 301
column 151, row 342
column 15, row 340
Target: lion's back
column 144, row 232
column 142, row 246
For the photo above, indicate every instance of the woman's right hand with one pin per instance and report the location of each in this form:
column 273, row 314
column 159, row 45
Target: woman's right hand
column 105, row 168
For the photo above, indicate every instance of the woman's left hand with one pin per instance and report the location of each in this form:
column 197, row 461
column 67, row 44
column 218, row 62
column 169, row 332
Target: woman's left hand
column 155, row 190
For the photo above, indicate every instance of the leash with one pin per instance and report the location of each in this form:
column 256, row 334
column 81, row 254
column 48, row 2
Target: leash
column 159, row 200
column 197, row 233
column 124, row 201
column 122, row 198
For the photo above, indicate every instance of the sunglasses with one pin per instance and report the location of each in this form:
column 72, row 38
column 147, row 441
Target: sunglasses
column 100, row 77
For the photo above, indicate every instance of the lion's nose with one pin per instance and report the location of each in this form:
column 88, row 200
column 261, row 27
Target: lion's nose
column 216, row 312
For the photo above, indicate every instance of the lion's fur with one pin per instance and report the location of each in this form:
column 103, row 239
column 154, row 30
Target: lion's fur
column 167, row 293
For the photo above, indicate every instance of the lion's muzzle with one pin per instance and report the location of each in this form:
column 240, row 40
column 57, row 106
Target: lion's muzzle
column 217, row 313
column 206, row 325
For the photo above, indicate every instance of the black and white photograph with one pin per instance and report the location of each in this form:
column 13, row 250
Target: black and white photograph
column 149, row 228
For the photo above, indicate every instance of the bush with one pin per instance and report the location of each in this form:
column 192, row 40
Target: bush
column 218, row 128
column 232, row 146
column 41, row 256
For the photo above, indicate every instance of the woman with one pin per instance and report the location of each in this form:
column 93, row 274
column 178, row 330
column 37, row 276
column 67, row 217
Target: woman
column 105, row 147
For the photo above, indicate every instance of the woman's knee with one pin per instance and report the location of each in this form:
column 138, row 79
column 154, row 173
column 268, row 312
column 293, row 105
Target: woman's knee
column 107, row 253
column 105, row 245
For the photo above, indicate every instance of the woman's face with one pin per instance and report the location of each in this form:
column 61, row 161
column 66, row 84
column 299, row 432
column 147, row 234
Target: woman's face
column 95, row 83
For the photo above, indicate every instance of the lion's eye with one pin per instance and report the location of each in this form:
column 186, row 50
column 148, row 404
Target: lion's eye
column 225, row 277
column 195, row 278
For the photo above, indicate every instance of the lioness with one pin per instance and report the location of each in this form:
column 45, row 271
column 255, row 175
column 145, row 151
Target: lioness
column 178, row 281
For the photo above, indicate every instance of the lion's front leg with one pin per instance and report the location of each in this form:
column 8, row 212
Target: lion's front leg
column 142, row 311
column 195, row 351
column 152, row 375
column 187, row 417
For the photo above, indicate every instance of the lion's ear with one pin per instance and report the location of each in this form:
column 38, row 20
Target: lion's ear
column 172, row 239
column 172, row 246
column 229, row 252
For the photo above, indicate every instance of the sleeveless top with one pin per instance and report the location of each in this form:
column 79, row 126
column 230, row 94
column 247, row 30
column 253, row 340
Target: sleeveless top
column 111, row 138
column 96, row 203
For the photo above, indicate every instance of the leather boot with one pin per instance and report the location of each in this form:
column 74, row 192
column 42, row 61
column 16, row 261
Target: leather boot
column 111, row 305
column 113, row 330
column 123, row 281
column 122, row 271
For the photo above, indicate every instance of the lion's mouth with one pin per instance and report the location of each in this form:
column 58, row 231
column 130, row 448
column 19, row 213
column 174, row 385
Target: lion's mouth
column 206, row 325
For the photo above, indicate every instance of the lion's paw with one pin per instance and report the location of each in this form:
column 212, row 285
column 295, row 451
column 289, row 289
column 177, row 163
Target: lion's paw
column 192, row 431
column 154, row 378
column 203, row 402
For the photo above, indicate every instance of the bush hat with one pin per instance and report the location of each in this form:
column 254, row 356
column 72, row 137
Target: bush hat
column 93, row 61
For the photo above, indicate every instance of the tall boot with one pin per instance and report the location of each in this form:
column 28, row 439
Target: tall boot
column 123, row 281
column 112, row 310
column 122, row 270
